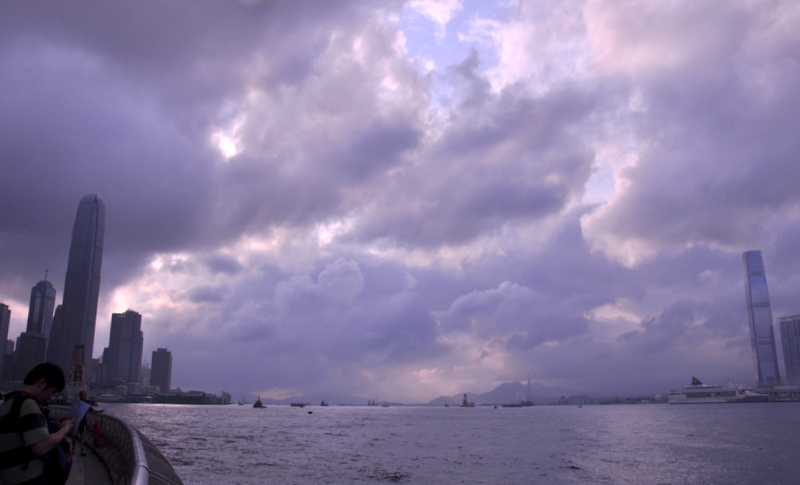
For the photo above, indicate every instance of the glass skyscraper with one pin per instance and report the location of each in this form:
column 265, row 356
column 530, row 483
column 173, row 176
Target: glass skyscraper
column 790, row 338
column 759, row 313
column 75, row 323
column 40, row 311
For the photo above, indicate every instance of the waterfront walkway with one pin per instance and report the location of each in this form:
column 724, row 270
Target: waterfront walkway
column 88, row 470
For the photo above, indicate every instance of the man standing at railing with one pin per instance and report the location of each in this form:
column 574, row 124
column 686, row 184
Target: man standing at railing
column 24, row 435
column 80, row 408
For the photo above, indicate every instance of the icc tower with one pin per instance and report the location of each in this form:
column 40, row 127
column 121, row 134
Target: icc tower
column 759, row 313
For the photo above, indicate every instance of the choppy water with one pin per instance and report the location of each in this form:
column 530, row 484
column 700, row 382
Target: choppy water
column 636, row 444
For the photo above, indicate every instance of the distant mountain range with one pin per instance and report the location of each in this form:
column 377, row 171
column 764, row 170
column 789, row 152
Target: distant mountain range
column 508, row 392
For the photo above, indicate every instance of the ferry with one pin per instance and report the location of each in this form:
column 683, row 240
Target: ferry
column 699, row 393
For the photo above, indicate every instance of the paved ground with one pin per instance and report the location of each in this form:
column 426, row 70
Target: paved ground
column 88, row 470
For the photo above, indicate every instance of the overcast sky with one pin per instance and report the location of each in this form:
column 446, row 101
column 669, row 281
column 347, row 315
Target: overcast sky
column 410, row 199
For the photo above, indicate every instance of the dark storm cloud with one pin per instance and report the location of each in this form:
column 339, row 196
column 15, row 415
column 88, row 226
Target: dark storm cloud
column 206, row 294
column 223, row 264
column 660, row 333
column 317, row 328
column 292, row 203
column 118, row 100
column 511, row 156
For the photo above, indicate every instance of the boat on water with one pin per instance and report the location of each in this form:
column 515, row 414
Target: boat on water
column 699, row 393
column 465, row 403
column 258, row 403
column 298, row 404
column 748, row 395
column 323, row 403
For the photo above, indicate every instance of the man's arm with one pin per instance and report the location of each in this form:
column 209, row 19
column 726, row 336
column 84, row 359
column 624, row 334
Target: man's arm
column 42, row 447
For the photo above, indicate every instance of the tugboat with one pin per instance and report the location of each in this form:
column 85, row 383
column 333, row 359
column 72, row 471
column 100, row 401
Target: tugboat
column 258, row 403
column 467, row 404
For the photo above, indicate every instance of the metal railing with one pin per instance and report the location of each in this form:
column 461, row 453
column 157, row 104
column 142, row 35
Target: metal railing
column 130, row 457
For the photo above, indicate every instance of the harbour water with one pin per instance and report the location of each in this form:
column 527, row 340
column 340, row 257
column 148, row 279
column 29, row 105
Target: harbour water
column 621, row 444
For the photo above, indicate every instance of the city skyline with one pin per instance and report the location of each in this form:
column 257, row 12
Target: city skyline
column 410, row 199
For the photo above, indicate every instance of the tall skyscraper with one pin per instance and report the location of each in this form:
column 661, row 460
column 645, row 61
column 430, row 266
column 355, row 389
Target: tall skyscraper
column 759, row 313
column 161, row 371
column 790, row 338
column 75, row 324
column 32, row 344
column 40, row 311
column 123, row 360
column 5, row 320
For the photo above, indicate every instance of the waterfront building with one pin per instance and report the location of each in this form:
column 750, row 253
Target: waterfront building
column 123, row 358
column 790, row 338
column 759, row 314
column 5, row 321
column 161, row 370
column 75, row 324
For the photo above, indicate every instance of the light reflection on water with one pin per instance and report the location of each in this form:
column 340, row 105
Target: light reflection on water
column 658, row 444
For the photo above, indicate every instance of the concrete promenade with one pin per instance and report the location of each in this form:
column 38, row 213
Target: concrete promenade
column 88, row 470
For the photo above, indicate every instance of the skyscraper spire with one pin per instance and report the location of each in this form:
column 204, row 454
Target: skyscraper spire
column 75, row 323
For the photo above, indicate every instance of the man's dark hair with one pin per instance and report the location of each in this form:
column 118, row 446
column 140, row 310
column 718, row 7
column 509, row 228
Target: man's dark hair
column 51, row 373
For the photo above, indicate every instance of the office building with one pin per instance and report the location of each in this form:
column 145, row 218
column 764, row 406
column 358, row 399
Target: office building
column 144, row 376
column 75, row 324
column 40, row 310
column 123, row 358
column 161, row 370
column 5, row 321
column 32, row 344
column 759, row 314
column 790, row 338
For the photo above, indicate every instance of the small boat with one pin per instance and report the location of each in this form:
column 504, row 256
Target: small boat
column 747, row 395
column 258, row 403
column 467, row 404
column 323, row 403
column 298, row 404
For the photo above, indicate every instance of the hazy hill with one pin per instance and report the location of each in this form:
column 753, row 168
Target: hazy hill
column 508, row 392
